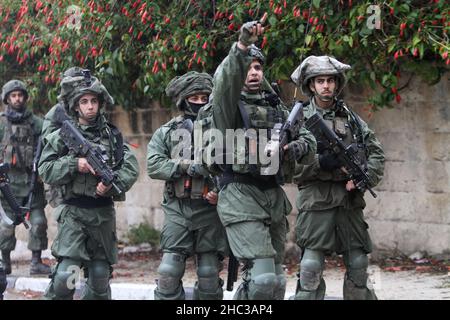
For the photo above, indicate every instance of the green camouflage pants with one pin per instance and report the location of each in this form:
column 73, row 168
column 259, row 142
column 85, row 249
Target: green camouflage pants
column 255, row 220
column 333, row 230
column 38, row 232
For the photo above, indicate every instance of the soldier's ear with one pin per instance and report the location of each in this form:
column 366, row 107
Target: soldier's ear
column 311, row 85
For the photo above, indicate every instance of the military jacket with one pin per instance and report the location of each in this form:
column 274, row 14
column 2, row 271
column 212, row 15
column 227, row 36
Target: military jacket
column 226, row 100
column 320, row 189
column 18, row 142
column 59, row 166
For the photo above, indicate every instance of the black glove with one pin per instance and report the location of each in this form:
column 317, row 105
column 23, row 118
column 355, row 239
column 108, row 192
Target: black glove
column 197, row 170
column 296, row 150
column 329, row 162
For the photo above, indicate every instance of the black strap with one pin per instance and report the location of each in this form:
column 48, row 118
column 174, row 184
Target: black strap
column 118, row 150
column 244, row 115
column 86, row 202
column 260, row 183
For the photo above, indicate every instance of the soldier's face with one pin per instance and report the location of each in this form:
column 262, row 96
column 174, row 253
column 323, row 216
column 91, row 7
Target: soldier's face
column 88, row 108
column 198, row 98
column 16, row 99
column 254, row 77
column 323, row 87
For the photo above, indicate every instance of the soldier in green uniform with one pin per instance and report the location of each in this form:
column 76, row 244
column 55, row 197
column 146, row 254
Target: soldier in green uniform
column 69, row 80
column 252, row 206
column 19, row 134
column 191, row 226
column 330, row 207
column 86, row 219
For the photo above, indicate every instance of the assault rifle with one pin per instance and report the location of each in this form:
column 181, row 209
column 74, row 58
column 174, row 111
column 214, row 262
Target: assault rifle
column 34, row 173
column 5, row 189
column 347, row 154
column 284, row 133
column 95, row 155
column 233, row 269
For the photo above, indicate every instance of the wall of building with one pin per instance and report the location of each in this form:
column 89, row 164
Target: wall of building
column 412, row 211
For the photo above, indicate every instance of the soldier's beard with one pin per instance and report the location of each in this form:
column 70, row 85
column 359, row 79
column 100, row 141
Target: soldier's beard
column 90, row 119
column 325, row 98
column 18, row 107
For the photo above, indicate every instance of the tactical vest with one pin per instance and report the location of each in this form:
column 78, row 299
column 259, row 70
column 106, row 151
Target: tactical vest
column 110, row 140
column 186, row 186
column 18, row 143
column 256, row 114
column 347, row 126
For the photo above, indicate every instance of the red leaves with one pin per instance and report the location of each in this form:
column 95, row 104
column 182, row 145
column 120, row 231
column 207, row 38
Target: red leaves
column 398, row 53
column 398, row 98
column 155, row 68
column 264, row 42
column 278, row 10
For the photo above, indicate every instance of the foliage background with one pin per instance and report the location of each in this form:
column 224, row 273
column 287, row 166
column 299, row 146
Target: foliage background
column 137, row 46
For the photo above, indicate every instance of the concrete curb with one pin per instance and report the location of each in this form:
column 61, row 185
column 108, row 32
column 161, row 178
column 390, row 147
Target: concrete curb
column 119, row 290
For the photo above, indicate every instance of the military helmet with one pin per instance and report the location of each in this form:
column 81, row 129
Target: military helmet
column 181, row 87
column 13, row 85
column 256, row 53
column 314, row 66
column 77, row 84
column 73, row 72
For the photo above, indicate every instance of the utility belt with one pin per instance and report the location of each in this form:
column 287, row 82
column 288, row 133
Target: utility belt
column 86, row 202
column 259, row 182
column 188, row 187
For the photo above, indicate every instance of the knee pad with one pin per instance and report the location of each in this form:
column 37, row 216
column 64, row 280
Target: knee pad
column 311, row 268
column 170, row 271
column 99, row 274
column 263, row 280
column 208, row 272
column 357, row 262
column 65, row 278
column 63, row 284
column 263, row 286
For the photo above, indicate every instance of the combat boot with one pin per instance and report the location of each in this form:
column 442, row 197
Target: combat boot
column 6, row 258
column 36, row 266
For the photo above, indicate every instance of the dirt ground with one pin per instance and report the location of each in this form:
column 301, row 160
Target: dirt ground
column 392, row 278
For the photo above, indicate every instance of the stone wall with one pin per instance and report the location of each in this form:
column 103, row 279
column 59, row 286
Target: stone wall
column 412, row 211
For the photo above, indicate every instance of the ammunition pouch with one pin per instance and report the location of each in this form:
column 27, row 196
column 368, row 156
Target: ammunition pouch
column 187, row 187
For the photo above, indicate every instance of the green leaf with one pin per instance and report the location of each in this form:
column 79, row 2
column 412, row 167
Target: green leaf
column 316, row 4
column 272, row 20
column 308, row 39
column 187, row 39
column 415, row 40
